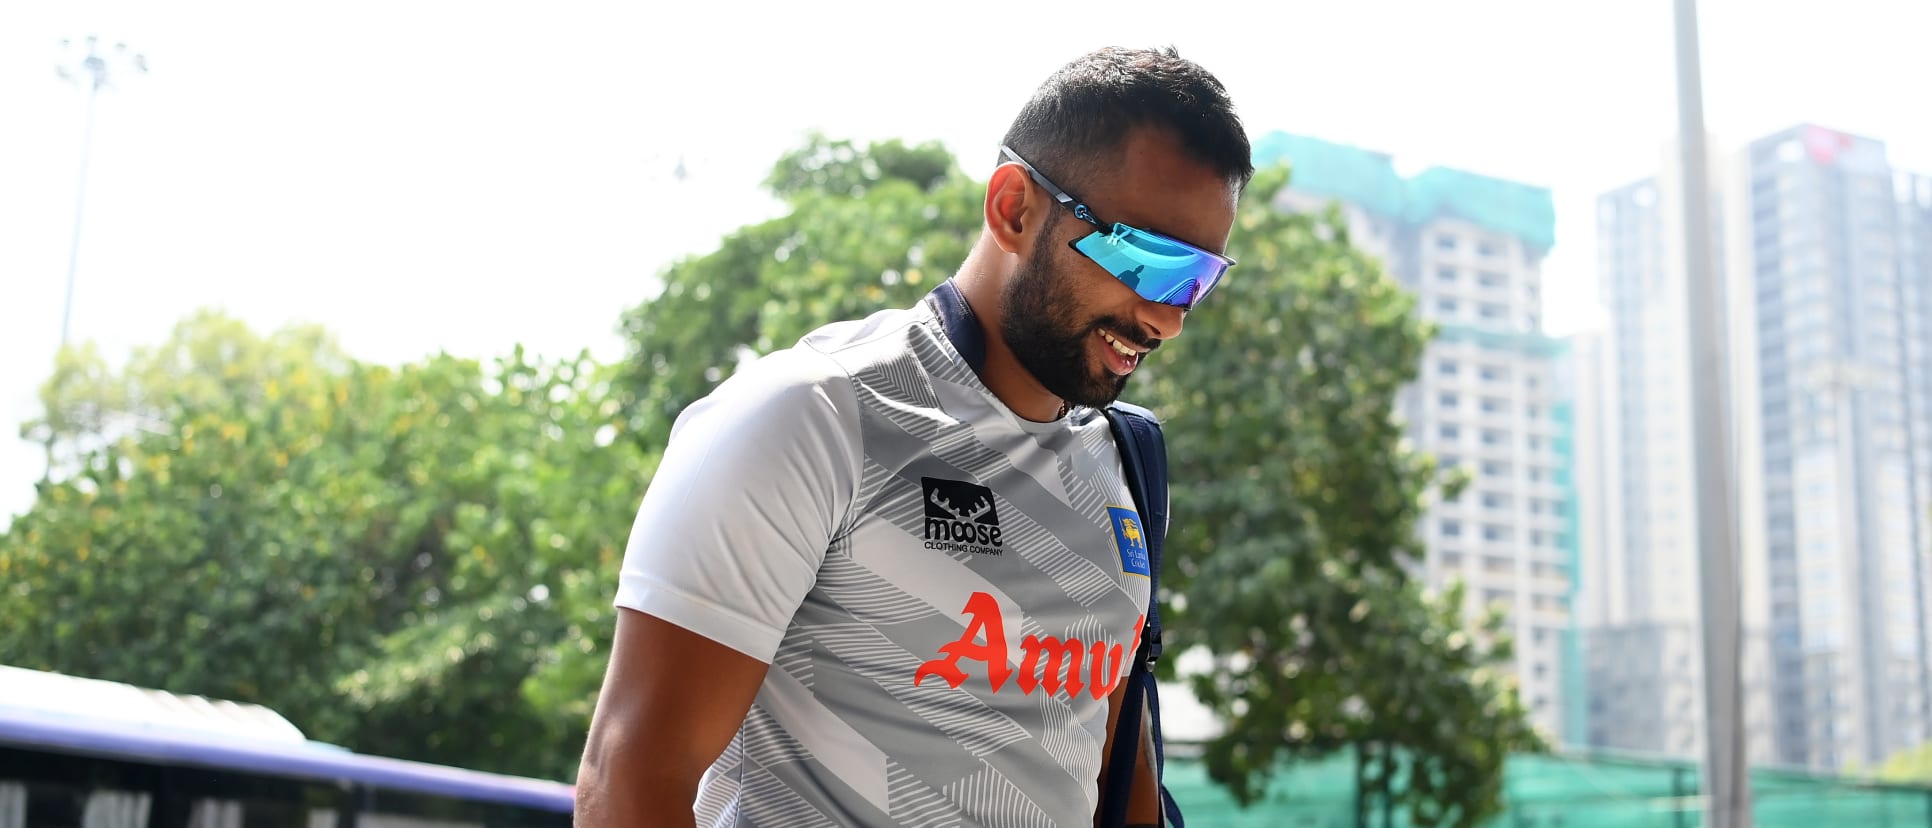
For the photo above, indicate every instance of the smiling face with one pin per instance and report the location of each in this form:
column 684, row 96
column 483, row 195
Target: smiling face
column 1078, row 329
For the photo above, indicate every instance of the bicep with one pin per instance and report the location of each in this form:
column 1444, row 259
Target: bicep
column 673, row 694
column 672, row 701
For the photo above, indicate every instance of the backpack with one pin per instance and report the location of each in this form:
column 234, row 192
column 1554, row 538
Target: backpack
column 1143, row 456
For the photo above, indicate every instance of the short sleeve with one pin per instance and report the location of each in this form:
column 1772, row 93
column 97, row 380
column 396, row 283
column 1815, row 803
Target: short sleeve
column 756, row 480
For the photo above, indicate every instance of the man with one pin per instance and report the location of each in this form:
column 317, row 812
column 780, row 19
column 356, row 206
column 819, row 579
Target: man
column 893, row 575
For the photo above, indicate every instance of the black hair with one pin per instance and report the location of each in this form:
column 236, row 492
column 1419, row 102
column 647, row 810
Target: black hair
column 1077, row 120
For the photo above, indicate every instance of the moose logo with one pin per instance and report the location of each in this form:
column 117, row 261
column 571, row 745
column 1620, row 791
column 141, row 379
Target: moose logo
column 960, row 517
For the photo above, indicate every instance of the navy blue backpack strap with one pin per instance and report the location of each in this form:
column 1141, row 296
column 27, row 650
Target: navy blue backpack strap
column 1143, row 456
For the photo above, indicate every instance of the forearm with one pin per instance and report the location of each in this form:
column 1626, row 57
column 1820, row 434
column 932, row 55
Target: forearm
column 1143, row 796
column 618, row 788
column 1144, row 799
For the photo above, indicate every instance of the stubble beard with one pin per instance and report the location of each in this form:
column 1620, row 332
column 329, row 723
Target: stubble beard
column 1037, row 322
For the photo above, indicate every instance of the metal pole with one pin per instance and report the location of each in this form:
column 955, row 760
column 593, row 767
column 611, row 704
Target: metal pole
column 1677, row 795
column 80, row 201
column 94, row 70
column 1726, row 777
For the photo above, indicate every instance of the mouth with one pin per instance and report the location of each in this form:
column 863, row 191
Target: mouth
column 1120, row 357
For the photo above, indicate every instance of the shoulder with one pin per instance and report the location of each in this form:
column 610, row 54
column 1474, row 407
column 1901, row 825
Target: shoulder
column 782, row 378
column 819, row 366
column 829, row 354
column 886, row 337
column 807, row 391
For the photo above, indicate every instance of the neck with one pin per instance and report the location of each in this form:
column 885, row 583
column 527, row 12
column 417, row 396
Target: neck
column 1002, row 372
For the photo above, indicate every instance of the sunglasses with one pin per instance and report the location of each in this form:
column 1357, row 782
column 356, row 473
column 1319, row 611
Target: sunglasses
column 1159, row 268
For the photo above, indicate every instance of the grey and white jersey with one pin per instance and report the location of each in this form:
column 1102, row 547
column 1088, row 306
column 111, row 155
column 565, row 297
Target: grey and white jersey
column 946, row 593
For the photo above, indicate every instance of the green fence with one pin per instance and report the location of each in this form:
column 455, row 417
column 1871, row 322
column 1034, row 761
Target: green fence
column 1567, row 790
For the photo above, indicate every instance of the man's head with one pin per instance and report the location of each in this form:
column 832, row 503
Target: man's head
column 1138, row 138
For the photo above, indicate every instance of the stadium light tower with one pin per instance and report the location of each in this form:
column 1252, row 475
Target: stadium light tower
column 87, row 65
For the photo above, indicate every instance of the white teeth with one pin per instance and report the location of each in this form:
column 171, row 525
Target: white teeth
column 1119, row 348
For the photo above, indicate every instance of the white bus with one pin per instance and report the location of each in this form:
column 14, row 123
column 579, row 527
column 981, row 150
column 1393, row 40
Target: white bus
column 83, row 753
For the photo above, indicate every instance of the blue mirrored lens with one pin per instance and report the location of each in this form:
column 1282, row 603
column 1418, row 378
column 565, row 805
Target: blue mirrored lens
column 1158, row 268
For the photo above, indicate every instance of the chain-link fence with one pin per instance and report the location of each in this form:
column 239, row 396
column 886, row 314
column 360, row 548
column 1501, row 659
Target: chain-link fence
column 1559, row 791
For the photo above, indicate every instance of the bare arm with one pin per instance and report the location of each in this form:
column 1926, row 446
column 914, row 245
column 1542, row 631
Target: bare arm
column 671, row 702
column 1143, row 799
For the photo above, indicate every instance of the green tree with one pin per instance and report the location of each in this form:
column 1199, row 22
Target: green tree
column 1295, row 497
column 1297, row 500
column 1911, row 766
column 862, row 234
column 406, row 561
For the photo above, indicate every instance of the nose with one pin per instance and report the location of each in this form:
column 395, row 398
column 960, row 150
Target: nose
column 1161, row 320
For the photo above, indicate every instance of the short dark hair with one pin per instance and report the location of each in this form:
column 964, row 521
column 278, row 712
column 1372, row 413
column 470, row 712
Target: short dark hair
column 1078, row 119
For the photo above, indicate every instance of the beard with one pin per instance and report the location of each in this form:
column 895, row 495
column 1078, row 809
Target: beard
column 1039, row 319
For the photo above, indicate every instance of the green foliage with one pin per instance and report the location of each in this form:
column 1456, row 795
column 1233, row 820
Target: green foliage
column 1911, row 766
column 837, row 168
column 865, row 232
column 410, row 561
column 1296, row 500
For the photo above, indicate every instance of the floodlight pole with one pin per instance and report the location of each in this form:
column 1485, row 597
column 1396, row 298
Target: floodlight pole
column 94, row 71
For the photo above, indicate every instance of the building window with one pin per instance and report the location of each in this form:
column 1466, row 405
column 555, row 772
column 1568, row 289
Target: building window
column 1492, row 500
column 1490, row 278
column 1535, row 474
column 1494, row 372
column 1448, row 431
column 1445, row 306
column 1494, row 405
column 1446, row 274
column 1485, row 248
column 1492, row 532
column 1451, row 529
column 1447, row 400
column 1445, row 242
column 1491, row 310
column 1492, row 437
column 1535, row 443
column 1533, row 411
column 1446, row 368
column 1452, row 559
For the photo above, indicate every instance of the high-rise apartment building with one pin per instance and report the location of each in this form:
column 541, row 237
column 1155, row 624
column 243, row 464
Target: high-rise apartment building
column 1471, row 247
column 1825, row 317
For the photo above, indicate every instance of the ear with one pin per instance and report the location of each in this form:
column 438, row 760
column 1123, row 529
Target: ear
column 1007, row 209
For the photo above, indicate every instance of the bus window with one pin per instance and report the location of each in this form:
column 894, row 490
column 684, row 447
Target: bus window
column 116, row 809
column 230, row 813
column 13, row 805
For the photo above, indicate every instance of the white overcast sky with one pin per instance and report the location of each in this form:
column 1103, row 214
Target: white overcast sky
column 462, row 176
